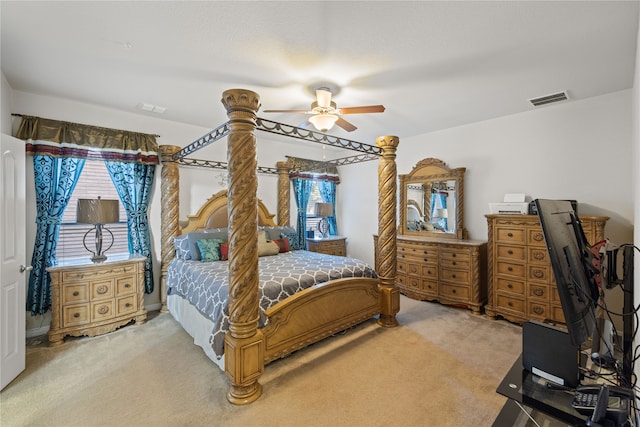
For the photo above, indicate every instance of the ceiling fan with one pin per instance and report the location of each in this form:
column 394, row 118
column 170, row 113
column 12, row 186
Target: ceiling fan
column 324, row 112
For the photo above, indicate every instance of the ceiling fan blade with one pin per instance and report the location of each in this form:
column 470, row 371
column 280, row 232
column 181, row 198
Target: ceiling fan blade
column 324, row 98
column 363, row 109
column 345, row 125
column 287, row 111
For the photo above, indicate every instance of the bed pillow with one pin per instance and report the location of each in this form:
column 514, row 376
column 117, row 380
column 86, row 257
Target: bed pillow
column 273, row 233
column 181, row 245
column 283, row 244
column 193, row 242
column 224, row 251
column 293, row 240
column 268, row 248
column 218, row 233
column 209, row 249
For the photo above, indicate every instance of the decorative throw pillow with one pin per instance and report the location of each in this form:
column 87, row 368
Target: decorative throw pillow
column 273, row 233
column 283, row 243
column 262, row 236
column 181, row 245
column 268, row 248
column 294, row 245
column 209, row 249
column 224, row 251
column 193, row 242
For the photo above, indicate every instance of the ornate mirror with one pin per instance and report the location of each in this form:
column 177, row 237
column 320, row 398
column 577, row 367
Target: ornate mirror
column 431, row 200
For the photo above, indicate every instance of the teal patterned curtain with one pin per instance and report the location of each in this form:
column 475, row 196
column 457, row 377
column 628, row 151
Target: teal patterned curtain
column 55, row 180
column 134, row 182
column 438, row 203
column 328, row 193
column 301, row 191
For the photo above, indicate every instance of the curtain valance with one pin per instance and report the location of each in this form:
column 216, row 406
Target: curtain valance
column 312, row 169
column 64, row 139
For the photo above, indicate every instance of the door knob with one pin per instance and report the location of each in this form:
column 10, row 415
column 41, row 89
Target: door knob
column 24, row 268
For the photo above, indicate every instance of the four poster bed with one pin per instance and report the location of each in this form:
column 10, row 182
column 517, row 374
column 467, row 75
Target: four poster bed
column 250, row 323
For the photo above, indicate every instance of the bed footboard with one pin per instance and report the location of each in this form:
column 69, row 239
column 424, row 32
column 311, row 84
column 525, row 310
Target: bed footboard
column 317, row 313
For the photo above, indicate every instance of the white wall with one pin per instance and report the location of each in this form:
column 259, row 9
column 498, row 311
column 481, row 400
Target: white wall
column 636, row 177
column 575, row 150
column 5, row 106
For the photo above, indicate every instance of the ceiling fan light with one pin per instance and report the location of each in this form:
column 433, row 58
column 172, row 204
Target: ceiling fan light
column 323, row 122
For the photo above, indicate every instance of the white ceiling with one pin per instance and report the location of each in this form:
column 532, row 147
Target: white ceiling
column 434, row 65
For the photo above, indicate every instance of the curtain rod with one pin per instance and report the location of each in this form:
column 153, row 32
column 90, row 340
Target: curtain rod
column 27, row 115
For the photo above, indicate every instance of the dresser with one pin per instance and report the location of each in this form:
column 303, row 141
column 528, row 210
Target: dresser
column 331, row 245
column 449, row 271
column 93, row 299
column 521, row 286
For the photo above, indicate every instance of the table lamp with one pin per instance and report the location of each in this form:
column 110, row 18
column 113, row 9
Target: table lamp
column 97, row 212
column 323, row 210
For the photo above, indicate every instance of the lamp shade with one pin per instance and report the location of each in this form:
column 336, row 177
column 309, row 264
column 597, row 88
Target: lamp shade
column 323, row 122
column 324, row 209
column 97, row 211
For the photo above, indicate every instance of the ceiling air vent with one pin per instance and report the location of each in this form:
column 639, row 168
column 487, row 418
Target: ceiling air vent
column 548, row 99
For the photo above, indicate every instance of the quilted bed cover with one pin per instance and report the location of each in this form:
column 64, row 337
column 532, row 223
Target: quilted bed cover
column 206, row 284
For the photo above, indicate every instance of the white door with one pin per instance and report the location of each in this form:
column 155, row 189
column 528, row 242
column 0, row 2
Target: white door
column 13, row 273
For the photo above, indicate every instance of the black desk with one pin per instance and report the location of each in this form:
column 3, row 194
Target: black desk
column 527, row 392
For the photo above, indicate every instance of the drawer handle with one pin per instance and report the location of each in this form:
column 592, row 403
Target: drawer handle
column 538, row 292
column 454, row 255
column 510, row 234
column 103, row 309
column 510, row 304
column 538, row 274
column 102, row 289
column 453, row 291
column 453, row 276
column 510, row 286
column 538, row 255
column 76, row 293
column 538, row 310
column 510, row 268
column 510, row 252
column 538, row 237
column 128, row 305
column 127, row 285
column 76, row 315
column 453, row 263
column 426, row 260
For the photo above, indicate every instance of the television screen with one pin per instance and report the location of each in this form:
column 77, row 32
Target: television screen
column 572, row 266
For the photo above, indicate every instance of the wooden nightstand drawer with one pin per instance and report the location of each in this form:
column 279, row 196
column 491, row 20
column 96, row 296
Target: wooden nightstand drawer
column 508, row 303
column 126, row 305
column 102, row 289
column 73, row 294
column 332, row 245
column 537, row 309
column 463, row 264
column 95, row 298
column 125, row 285
column 537, row 255
column 75, row 315
column 454, row 255
column 539, row 273
column 458, row 276
column 102, row 310
column 508, row 285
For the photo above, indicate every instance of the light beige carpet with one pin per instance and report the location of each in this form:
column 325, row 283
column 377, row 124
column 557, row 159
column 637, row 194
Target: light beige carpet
column 439, row 368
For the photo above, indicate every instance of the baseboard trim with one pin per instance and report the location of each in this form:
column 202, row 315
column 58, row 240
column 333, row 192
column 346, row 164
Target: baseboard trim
column 36, row 332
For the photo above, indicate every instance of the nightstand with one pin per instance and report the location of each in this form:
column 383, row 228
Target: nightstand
column 95, row 298
column 331, row 245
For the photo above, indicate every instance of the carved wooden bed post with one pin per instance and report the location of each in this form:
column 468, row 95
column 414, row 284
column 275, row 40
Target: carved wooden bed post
column 244, row 346
column 170, row 207
column 386, row 259
column 284, row 193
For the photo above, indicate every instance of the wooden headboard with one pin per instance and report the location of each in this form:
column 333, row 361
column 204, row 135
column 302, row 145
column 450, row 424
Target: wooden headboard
column 214, row 214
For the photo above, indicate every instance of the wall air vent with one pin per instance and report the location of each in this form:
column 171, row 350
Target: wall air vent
column 548, row 99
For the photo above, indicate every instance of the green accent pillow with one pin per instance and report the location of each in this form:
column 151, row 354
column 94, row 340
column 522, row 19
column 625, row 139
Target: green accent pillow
column 209, row 249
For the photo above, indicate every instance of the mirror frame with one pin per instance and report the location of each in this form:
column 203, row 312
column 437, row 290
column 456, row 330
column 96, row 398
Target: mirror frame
column 424, row 172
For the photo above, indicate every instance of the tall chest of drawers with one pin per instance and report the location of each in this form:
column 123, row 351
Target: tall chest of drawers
column 450, row 271
column 521, row 286
column 93, row 299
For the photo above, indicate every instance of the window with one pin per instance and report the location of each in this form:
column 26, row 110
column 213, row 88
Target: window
column 314, row 197
column 94, row 181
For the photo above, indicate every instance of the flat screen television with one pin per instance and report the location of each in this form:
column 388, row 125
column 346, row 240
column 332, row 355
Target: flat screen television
column 570, row 260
